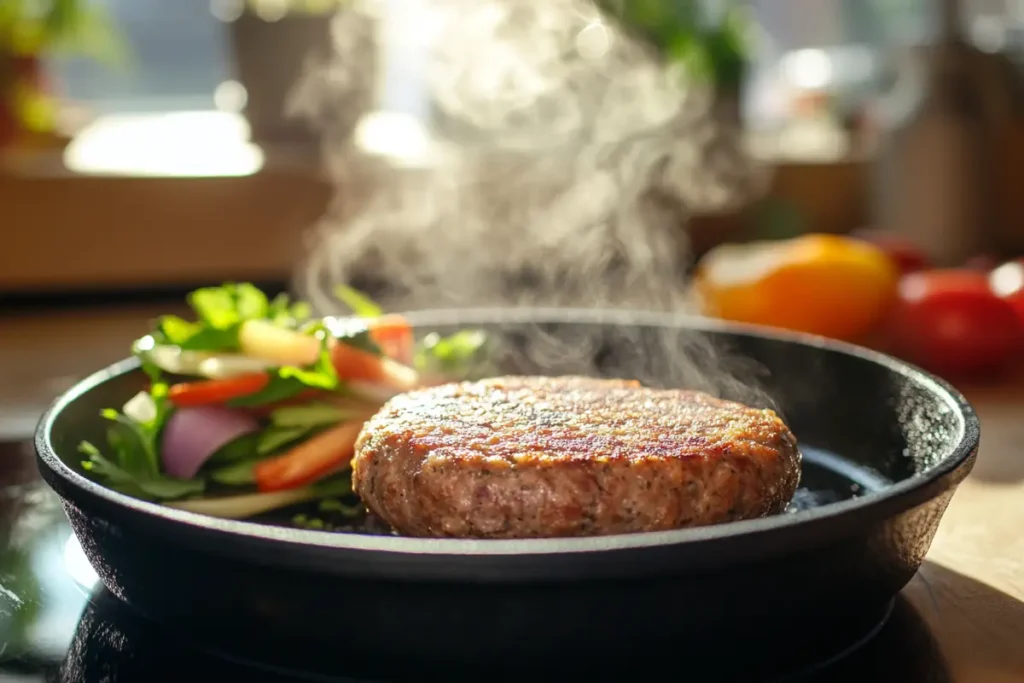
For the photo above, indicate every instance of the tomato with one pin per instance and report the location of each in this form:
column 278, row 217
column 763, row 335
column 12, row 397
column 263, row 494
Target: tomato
column 216, row 391
column 1007, row 281
column 951, row 322
column 822, row 284
column 906, row 255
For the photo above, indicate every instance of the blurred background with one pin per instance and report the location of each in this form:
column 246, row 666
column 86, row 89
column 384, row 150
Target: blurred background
column 147, row 147
column 148, row 137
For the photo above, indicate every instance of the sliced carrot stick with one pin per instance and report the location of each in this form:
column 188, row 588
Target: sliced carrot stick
column 355, row 364
column 352, row 363
column 393, row 334
column 324, row 454
column 215, row 391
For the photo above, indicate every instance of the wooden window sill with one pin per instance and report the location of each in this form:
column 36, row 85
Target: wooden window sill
column 175, row 199
column 140, row 203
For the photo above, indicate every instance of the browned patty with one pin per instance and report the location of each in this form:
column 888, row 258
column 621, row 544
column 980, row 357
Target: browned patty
column 522, row 457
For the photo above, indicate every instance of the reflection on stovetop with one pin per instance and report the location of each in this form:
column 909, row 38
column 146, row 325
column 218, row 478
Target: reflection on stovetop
column 57, row 624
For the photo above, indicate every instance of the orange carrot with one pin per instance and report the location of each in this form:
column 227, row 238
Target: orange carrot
column 393, row 334
column 215, row 391
column 324, row 454
column 352, row 363
column 357, row 365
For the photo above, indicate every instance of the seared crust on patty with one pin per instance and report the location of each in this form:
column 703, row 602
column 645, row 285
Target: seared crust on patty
column 530, row 457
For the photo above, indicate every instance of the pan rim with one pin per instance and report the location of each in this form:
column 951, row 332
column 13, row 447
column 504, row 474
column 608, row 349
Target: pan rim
column 901, row 496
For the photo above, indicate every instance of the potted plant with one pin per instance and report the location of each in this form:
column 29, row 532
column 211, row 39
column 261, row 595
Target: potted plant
column 711, row 47
column 31, row 31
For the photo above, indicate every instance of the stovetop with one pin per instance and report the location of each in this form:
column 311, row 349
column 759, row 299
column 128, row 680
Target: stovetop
column 58, row 624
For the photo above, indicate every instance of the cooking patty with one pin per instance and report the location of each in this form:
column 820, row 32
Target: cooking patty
column 530, row 457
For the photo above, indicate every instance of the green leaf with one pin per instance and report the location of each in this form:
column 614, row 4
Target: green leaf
column 239, row 474
column 311, row 523
column 454, row 356
column 709, row 47
column 284, row 313
column 300, row 311
column 196, row 336
column 344, row 509
column 309, row 415
column 242, row 448
column 133, row 444
column 216, row 306
column 146, row 486
column 221, row 311
column 176, row 330
column 279, row 306
column 360, row 304
column 278, row 388
column 250, row 302
column 274, row 438
column 317, row 377
column 128, row 450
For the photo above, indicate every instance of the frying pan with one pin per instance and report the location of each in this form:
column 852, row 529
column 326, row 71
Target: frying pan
column 885, row 445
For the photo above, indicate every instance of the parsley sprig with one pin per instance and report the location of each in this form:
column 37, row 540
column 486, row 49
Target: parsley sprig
column 221, row 312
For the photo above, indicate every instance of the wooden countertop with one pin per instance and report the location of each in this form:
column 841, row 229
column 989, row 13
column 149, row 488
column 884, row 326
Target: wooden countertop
column 970, row 593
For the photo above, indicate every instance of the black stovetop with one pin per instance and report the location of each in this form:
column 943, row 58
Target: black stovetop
column 57, row 623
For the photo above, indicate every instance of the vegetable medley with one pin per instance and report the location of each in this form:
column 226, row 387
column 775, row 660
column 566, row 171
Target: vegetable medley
column 256, row 405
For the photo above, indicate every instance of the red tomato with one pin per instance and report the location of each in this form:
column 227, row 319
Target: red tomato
column 1007, row 281
column 214, row 391
column 951, row 322
column 904, row 253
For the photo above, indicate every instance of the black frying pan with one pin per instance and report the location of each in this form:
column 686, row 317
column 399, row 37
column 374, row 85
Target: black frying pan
column 884, row 444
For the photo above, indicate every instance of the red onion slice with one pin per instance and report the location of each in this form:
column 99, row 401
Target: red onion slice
column 192, row 435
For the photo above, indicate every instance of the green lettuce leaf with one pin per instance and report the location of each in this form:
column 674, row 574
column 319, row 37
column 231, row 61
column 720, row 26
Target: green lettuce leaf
column 147, row 486
column 221, row 312
column 457, row 356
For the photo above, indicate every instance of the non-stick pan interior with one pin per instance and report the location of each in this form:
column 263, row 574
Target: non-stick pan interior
column 863, row 422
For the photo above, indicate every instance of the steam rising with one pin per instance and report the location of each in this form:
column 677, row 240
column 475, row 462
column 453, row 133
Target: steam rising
column 567, row 159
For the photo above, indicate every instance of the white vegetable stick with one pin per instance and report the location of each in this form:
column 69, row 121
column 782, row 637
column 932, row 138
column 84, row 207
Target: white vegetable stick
column 402, row 377
column 233, row 365
column 247, row 505
column 174, row 360
column 140, row 408
column 204, row 364
column 264, row 340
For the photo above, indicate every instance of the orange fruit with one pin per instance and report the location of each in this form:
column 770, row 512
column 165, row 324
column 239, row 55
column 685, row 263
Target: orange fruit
column 828, row 285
